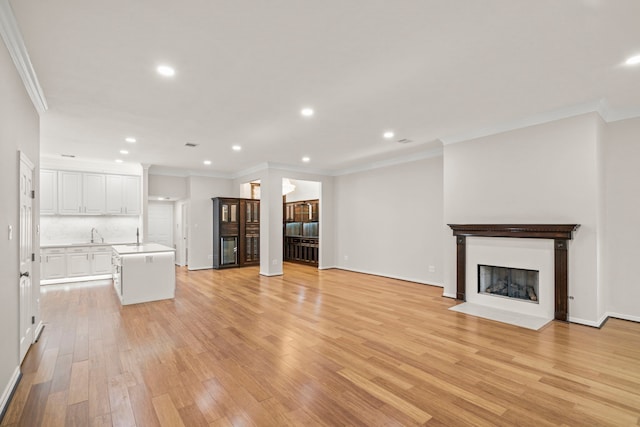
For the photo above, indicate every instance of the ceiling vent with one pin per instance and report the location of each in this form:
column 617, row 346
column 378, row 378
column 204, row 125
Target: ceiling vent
column 190, row 145
column 404, row 141
column 71, row 156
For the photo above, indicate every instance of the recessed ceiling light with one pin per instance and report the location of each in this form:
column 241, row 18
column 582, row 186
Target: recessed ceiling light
column 160, row 198
column 166, row 71
column 207, row 162
column 634, row 60
column 118, row 160
column 130, row 139
column 388, row 134
column 306, row 112
column 124, row 152
column 306, row 159
column 236, row 148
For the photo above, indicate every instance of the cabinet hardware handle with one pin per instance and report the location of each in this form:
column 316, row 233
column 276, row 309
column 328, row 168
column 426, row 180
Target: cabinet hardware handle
column 25, row 274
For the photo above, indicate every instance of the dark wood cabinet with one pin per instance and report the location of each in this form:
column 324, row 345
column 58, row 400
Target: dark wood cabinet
column 301, row 233
column 236, row 232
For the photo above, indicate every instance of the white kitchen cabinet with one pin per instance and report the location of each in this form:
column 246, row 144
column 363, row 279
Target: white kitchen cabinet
column 78, row 262
column 131, row 199
column 93, row 193
column 114, row 194
column 48, row 192
column 54, row 263
column 101, row 260
column 123, row 194
column 70, row 193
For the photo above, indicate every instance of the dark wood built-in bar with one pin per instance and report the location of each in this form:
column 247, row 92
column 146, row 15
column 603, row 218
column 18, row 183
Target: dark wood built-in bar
column 560, row 233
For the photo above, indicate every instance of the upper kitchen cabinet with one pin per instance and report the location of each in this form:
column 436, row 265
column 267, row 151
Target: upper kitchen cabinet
column 123, row 194
column 48, row 192
column 81, row 193
column 93, row 193
column 87, row 193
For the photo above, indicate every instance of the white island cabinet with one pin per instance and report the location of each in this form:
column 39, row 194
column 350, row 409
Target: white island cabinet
column 144, row 272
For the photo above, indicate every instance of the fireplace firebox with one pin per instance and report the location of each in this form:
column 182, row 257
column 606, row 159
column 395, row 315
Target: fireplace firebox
column 515, row 283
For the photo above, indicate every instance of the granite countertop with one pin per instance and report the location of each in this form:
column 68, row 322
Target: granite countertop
column 142, row 248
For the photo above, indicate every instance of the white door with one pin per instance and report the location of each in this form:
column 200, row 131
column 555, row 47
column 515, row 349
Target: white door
column 26, row 253
column 161, row 223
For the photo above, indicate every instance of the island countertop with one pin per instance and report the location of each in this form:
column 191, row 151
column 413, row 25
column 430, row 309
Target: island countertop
column 142, row 248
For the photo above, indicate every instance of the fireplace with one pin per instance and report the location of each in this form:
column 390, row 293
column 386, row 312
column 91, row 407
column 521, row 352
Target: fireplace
column 560, row 234
column 507, row 282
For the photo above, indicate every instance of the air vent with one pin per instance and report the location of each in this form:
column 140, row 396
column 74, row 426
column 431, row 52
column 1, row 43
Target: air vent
column 190, row 145
column 72, row 156
column 404, row 141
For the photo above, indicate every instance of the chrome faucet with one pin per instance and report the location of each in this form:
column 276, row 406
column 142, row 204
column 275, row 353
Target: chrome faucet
column 95, row 230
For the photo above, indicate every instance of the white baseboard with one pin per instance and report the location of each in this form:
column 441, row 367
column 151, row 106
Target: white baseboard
column 448, row 295
column 271, row 274
column 328, row 267
column 208, row 267
column 406, row 279
column 75, row 279
column 39, row 330
column 592, row 323
column 8, row 390
column 621, row 316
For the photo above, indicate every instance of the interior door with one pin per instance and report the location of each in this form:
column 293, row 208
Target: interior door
column 161, row 223
column 26, row 251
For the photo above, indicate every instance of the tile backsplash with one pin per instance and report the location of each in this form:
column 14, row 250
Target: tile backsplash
column 60, row 229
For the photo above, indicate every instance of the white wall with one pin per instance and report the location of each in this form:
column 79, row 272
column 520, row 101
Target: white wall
column 389, row 221
column 622, row 153
column 541, row 174
column 19, row 131
column 200, row 239
column 305, row 190
column 174, row 187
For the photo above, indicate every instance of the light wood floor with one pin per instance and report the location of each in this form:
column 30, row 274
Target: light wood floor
column 315, row 348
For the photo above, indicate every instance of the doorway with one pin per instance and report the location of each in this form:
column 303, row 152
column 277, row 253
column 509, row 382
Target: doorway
column 301, row 217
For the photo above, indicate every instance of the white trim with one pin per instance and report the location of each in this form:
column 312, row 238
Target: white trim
column 45, row 282
column 25, row 158
column 271, row 275
column 623, row 317
column 13, row 382
column 595, row 324
column 39, row 329
column 328, row 267
column 428, row 154
column 15, row 44
column 449, row 295
column 406, row 279
column 208, row 267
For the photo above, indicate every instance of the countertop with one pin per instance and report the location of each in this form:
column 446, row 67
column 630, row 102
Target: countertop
column 142, row 248
column 84, row 244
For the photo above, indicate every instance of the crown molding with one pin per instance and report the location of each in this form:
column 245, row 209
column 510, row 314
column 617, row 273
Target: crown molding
column 427, row 154
column 15, row 44
column 601, row 107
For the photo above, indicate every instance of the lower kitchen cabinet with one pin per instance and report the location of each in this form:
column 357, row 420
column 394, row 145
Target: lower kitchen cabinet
column 78, row 262
column 101, row 260
column 71, row 262
column 54, row 264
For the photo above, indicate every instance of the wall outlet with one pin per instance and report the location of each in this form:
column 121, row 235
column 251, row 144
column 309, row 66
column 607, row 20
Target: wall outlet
column 346, row 257
column 432, row 269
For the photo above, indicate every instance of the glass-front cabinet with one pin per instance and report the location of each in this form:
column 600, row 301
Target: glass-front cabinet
column 236, row 232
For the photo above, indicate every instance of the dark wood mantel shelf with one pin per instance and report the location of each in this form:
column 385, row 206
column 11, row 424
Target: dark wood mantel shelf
column 560, row 233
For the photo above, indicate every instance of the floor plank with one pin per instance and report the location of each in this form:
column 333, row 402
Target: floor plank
column 314, row 347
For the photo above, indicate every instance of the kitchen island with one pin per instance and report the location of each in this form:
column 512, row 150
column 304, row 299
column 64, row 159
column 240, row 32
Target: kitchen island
column 143, row 272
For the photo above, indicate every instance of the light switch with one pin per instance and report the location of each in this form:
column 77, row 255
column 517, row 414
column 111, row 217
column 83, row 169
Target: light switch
column 10, row 232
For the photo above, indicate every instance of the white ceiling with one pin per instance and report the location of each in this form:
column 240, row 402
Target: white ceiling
column 430, row 70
